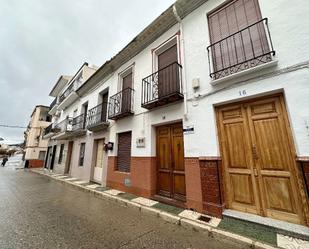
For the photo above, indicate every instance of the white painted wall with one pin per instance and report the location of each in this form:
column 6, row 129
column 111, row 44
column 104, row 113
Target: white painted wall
column 289, row 28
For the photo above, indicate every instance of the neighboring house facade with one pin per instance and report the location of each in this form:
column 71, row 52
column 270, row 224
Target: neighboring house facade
column 207, row 109
column 35, row 145
column 69, row 120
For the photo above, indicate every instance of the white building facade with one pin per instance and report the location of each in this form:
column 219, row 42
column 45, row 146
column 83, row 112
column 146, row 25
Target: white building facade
column 205, row 109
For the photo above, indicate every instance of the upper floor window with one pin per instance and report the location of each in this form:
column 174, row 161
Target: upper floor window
column 239, row 38
column 163, row 86
column 121, row 104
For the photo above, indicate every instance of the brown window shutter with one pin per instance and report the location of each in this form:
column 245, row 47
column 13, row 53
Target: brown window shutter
column 168, row 81
column 124, row 151
column 168, row 57
column 127, row 81
column 229, row 19
column 104, row 107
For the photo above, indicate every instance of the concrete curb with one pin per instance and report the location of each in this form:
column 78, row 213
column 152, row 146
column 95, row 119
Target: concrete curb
column 170, row 218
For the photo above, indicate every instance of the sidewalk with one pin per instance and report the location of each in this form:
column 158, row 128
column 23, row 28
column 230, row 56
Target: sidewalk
column 253, row 235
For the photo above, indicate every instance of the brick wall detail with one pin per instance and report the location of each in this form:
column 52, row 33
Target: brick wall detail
column 142, row 176
column 35, row 163
column 211, row 181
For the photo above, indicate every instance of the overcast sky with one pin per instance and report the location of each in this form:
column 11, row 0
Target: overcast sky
column 40, row 40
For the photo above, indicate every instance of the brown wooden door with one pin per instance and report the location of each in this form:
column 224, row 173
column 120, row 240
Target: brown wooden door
column 259, row 159
column 168, row 76
column 127, row 83
column 170, row 162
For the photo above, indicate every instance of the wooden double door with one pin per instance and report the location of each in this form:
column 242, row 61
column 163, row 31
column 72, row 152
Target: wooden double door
column 170, row 162
column 259, row 159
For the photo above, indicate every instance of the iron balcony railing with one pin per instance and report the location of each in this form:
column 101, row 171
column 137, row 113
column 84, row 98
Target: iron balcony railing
column 121, row 104
column 72, row 87
column 244, row 49
column 97, row 115
column 63, row 126
column 53, row 103
column 162, row 85
column 79, row 123
column 48, row 130
column 66, row 93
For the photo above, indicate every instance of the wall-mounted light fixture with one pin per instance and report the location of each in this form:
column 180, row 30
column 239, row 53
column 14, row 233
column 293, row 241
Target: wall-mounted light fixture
column 109, row 146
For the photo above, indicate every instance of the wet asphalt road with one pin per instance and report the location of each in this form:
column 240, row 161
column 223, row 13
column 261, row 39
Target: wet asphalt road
column 37, row 212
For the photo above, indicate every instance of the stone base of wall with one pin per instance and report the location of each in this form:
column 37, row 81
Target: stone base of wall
column 203, row 181
column 141, row 180
column 36, row 163
column 193, row 184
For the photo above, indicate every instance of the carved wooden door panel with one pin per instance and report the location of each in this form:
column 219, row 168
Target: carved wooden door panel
column 241, row 187
column 170, row 162
column 259, row 159
column 275, row 160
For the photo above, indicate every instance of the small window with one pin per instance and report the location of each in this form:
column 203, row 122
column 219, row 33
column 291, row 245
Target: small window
column 82, row 154
column 61, row 154
column 42, row 155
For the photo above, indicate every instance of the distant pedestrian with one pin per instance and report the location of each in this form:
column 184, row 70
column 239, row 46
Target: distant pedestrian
column 4, row 160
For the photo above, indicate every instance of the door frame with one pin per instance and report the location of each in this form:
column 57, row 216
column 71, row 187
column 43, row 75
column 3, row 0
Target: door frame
column 294, row 169
column 93, row 159
column 52, row 162
column 47, row 157
column 157, row 196
column 67, row 168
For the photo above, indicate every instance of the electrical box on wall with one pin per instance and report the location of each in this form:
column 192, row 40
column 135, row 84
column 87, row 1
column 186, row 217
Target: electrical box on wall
column 140, row 142
column 196, row 83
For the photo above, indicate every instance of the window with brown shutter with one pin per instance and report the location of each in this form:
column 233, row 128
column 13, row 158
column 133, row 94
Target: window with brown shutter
column 124, row 152
column 238, row 38
column 81, row 154
column 127, row 84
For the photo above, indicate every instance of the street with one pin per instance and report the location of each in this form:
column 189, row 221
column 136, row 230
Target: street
column 37, row 212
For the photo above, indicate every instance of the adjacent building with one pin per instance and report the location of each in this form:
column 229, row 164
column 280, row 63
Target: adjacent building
column 35, row 145
column 69, row 115
column 205, row 109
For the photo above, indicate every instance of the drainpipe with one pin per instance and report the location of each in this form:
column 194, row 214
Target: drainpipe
column 182, row 51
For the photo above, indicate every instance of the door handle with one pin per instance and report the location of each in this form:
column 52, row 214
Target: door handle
column 254, row 152
column 255, row 172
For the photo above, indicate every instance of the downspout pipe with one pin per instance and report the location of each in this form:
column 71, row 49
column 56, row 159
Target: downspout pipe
column 182, row 51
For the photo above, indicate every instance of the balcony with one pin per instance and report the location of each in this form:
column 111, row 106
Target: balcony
column 121, row 104
column 79, row 125
column 248, row 48
column 63, row 129
column 48, row 132
column 53, row 107
column 97, row 118
column 162, row 87
column 69, row 95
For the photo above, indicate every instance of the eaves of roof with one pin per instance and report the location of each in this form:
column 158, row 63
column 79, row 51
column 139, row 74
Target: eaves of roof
column 153, row 31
